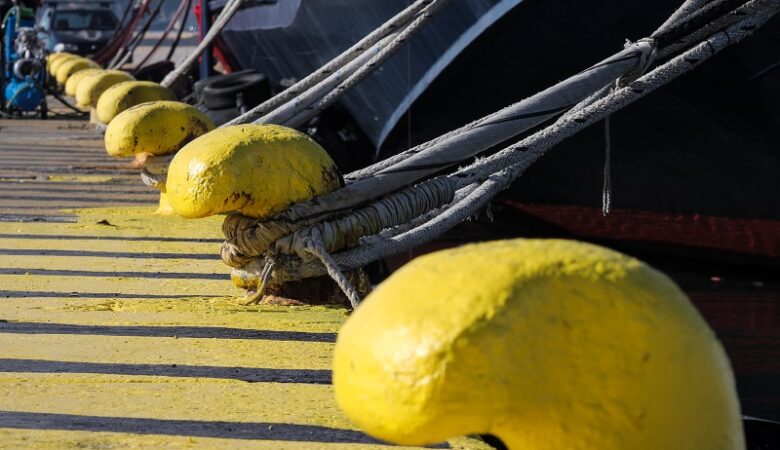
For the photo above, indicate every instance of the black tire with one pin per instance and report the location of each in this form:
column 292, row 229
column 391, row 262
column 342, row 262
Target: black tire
column 44, row 110
column 153, row 72
column 221, row 93
column 199, row 85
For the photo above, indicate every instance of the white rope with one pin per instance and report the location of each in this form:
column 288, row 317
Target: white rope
column 688, row 7
column 474, row 138
column 313, row 108
column 606, row 191
column 317, row 248
column 183, row 66
column 715, row 26
column 527, row 151
column 306, row 213
column 301, row 102
column 339, row 61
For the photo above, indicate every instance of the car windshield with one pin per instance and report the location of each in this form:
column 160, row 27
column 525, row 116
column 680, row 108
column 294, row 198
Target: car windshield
column 76, row 20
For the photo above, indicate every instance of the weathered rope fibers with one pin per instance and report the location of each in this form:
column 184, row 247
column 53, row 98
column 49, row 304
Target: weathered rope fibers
column 530, row 149
column 339, row 61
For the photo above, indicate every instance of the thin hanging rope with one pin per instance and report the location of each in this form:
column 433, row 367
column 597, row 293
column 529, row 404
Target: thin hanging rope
column 606, row 191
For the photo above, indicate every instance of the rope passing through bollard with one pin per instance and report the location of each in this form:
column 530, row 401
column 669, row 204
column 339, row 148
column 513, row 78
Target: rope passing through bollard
column 247, row 239
column 500, row 169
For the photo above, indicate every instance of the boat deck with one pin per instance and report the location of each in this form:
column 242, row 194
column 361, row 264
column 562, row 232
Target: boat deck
column 121, row 329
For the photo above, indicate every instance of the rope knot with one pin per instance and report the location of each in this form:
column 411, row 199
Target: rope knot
column 647, row 48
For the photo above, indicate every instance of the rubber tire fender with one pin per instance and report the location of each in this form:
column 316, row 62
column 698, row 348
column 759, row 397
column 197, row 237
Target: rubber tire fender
column 222, row 92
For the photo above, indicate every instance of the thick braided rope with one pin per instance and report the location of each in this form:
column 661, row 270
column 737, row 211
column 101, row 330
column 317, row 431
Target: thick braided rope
column 316, row 247
column 323, row 72
column 300, row 102
column 714, row 26
column 392, row 211
column 248, row 239
column 526, row 152
column 686, row 9
column 699, row 18
column 363, row 72
column 476, row 138
column 308, row 105
column 230, row 8
column 237, row 252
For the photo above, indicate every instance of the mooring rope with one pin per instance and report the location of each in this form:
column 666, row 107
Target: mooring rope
column 230, row 8
column 494, row 173
column 330, row 81
column 442, row 153
column 397, row 21
column 316, row 247
column 312, row 108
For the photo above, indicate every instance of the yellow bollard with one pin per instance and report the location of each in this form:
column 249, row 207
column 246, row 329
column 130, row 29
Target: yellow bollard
column 547, row 344
column 257, row 170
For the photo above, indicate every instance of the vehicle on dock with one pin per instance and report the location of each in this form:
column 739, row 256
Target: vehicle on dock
column 81, row 28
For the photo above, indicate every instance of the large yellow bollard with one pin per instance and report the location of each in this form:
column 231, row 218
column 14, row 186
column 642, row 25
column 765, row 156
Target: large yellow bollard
column 54, row 57
column 257, row 170
column 89, row 90
column 547, row 344
column 157, row 128
column 122, row 96
column 75, row 79
column 55, row 63
column 71, row 66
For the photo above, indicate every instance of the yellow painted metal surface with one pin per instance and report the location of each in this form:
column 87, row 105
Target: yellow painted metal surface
column 547, row 344
column 121, row 96
column 73, row 81
column 158, row 128
column 257, row 170
column 71, row 66
column 92, row 87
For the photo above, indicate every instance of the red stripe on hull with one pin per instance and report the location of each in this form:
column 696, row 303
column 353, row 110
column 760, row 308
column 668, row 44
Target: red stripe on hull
column 747, row 236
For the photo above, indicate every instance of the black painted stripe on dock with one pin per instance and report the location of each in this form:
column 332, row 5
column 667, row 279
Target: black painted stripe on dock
column 142, row 190
column 76, row 237
column 199, row 428
column 165, row 331
column 99, row 295
column 248, row 374
column 100, row 199
column 106, row 274
column 98, row 254
column 36, row 218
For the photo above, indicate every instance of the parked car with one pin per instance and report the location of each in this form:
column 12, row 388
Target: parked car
column 80, row 28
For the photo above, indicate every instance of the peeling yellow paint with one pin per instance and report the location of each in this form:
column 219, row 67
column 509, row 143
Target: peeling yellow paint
column 257, row 170
column 547, row 344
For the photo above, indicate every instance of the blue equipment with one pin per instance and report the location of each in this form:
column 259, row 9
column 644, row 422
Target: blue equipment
column 24, row 64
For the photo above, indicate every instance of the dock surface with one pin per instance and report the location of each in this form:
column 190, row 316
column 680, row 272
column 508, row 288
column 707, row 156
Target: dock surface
column 120, row 328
